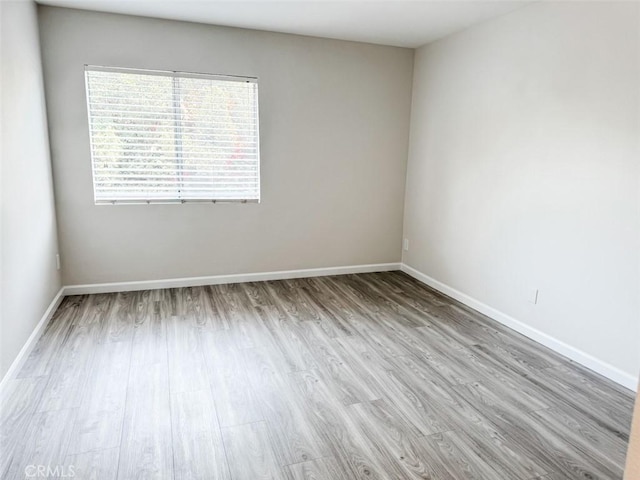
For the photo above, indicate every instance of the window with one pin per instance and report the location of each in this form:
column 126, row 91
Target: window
column 172, row 136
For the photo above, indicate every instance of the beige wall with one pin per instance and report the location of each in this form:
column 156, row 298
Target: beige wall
column 334, row 133
column 632, row 470
column 28, row 241
column 524, row 168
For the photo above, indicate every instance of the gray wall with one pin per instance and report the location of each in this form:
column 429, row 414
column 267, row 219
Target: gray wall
column 524, row 167
column 334, row 136
column 28, row 241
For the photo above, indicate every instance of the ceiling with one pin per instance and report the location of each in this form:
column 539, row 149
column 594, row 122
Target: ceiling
column 400, row 23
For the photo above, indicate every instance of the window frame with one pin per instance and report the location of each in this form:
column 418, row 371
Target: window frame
column 173, row 74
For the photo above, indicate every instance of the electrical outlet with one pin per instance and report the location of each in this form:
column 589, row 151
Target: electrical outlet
column 405, row 244
column 57, row 261
column 533, row 296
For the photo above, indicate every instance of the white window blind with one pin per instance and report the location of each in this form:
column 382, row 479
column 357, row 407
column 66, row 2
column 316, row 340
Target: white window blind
column 172, row 137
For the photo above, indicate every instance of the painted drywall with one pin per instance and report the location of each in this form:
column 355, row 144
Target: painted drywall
column 632, row 469
column 28, row 239
column 334, row 137
column 523, row 171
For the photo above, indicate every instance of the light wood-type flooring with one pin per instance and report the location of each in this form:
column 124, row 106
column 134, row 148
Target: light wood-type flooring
column 371, row 376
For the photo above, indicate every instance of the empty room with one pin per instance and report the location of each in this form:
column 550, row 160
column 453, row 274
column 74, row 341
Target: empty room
column 320, row 240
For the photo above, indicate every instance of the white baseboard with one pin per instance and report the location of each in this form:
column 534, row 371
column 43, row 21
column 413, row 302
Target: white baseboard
column 603, row 368
column 33, row 339
column 219, row 279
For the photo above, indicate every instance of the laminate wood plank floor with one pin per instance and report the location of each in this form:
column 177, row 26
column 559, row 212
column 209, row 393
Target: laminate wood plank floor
column 371, row 376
